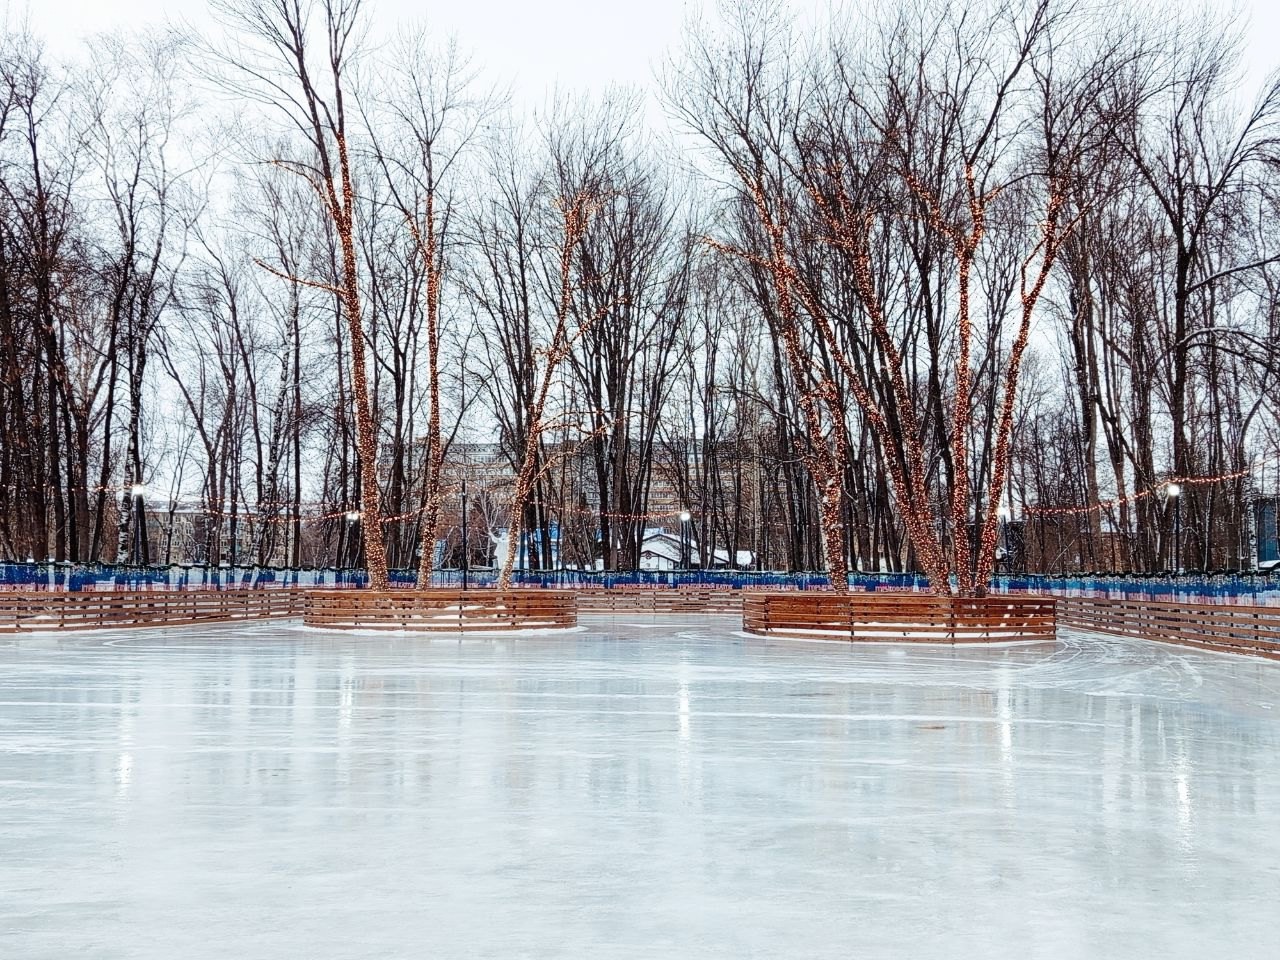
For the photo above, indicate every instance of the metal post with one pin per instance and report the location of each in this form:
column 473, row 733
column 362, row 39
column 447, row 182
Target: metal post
column 353, row 550
column 1177, row 536
column 466, row 557
column 139, row 520
column 1003, row 514
column 1173, row 491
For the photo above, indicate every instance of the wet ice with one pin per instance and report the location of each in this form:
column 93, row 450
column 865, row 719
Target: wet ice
column 636, row 788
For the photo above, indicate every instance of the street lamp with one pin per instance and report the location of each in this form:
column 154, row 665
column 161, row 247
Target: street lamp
column 466, row 557
column 353, row 550
column 685, row 517
column 1003, row 513
column 140, row 520
column 1173, row 491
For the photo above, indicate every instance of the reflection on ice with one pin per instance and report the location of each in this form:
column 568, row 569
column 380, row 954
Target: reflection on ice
column 634, row 789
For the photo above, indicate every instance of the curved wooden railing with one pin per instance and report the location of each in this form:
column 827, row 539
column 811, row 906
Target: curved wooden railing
column 39, row 610
column 441, row 611
column 898, row 617
column 658, row 600
column 870, row 616
column 1228, row 628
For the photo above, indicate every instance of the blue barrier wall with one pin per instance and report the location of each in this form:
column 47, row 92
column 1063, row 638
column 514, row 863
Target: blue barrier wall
column 1225, row 588
column 59, row 576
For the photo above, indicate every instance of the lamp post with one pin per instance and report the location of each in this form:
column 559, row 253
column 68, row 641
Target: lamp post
column 1003, row 514
column 353, row 517
column 140, row 520
column 1173, row 491
column 522, row 543
column 466, row 557
column 684, row 539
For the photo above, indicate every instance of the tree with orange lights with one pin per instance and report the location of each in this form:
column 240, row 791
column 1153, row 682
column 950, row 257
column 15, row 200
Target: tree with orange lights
column 853, row 150
column 273, row 62
column 433, row 116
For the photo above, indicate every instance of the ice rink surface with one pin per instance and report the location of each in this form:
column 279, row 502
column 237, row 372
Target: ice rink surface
column 632, row 789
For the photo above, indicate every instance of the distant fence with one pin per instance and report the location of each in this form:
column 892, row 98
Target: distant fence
column 113, row 577
column 1258, row 589
column 69, row 576
column 649, row 600
column 1252, row 589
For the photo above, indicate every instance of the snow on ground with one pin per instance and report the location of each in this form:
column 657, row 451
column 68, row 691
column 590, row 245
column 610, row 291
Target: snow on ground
column 639, row 788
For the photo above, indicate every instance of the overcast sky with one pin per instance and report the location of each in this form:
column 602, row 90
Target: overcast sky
column 535, row 44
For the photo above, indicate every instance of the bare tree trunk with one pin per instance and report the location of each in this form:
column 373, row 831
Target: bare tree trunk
column 576, row 212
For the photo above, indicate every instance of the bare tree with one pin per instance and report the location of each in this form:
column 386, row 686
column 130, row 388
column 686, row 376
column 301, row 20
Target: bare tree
column 434, row 117
column 741, row 93
column 274, row 63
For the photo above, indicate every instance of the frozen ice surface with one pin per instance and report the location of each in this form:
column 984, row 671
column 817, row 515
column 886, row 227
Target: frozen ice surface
column 643, row 788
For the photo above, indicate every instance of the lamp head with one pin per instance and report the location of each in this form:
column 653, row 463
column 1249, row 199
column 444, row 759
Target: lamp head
column 684, row 516
column 1172, row 489
column 353, row 516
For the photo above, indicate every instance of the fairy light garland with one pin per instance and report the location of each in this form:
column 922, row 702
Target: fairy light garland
column 366, row 436
column 1139, row 495
column 825, row 466
column 435, row 454
column 335, row 512
column 1047, row 250
column 850, row 230
column 966, row 250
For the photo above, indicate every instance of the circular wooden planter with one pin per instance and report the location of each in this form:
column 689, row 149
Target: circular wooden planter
column 440, row 611
column 899, row 617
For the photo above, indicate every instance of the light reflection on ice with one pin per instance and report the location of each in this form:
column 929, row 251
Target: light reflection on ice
column 124, row 774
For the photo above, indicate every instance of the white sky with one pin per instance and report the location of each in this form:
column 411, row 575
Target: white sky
column 534, row 45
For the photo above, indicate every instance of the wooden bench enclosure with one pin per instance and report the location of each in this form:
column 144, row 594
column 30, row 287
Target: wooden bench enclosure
column 39, row 610
column 811, row 614
column 1229, row 628
column 658, row 600
column 898, row 617
column 440, row 611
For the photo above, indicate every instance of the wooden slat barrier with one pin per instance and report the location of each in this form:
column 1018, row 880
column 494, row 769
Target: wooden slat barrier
column 900, row 617
column 650, row 600
column 445, row 611
column 1230, row 628
column 39, row 610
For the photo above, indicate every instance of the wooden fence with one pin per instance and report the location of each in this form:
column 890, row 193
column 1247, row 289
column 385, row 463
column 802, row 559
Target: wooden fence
column 861, row 616
column 897, row 617
column 443, row 611
column 650, row 600
column 1230, row 628
column 31, row 610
